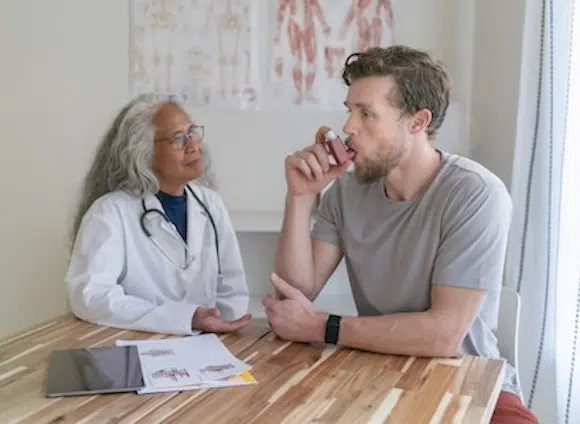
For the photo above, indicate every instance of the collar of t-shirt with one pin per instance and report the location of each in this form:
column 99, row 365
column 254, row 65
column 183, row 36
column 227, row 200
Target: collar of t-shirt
column 176, row 209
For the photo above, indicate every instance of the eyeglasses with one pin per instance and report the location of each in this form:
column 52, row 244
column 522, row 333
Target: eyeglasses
column 178, row 141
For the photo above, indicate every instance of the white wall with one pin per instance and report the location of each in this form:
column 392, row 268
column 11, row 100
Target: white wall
column 496, row 73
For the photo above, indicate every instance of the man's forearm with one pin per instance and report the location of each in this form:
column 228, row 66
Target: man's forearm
column 294, row 262
column 413, row 334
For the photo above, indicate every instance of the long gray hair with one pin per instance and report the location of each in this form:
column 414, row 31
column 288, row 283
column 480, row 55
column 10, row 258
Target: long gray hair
column 124, row 156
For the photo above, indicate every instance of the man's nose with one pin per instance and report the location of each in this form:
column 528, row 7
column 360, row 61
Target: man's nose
column 349, row 127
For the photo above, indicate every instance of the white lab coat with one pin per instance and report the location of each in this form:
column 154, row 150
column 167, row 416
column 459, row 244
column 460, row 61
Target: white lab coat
column 119, row 278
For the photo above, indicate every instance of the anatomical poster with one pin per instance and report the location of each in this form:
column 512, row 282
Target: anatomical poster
column 202, row 50
column 311, row 40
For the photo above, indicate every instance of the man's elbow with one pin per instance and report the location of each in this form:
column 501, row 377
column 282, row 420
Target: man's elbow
column 447, row 343
column 446, row 348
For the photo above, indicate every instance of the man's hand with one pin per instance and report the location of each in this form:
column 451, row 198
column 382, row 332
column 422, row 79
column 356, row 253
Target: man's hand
column 294, row 316
column 208, row 320
column 309, row 170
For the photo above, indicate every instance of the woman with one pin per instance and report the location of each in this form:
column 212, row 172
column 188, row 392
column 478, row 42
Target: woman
column 149, row 241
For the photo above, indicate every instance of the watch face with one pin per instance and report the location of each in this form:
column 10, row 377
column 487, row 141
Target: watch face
column 332, row 328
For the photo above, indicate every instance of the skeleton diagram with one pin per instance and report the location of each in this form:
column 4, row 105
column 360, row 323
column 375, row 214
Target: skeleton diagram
column 198, row 48
column 139, row 71
column 232, row 26
column 369, row 23
column 199, row 69
column 302, row 42
column 159, row 17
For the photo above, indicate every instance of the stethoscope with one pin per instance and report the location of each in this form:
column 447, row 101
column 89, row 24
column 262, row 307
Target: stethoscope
column 188, row 259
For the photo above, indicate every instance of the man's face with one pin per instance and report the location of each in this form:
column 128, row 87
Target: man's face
column 376, row 129
column 176, row 163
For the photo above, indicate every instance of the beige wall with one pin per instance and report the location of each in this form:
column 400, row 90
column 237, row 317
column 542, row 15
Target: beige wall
column 64, row 73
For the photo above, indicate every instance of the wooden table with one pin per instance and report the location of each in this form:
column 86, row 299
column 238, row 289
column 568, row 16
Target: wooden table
column 297, row 383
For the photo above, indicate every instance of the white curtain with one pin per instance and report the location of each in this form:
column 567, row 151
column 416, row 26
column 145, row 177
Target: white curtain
column 541, row 264
column 568, row 284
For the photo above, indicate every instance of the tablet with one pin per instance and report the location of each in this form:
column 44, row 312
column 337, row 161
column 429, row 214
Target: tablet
column 73, row 372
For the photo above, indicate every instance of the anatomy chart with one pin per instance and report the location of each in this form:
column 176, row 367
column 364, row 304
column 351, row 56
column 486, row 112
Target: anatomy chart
column 202, row 50
column 311, row 40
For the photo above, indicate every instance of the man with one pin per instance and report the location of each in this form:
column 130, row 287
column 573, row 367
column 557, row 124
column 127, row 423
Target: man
column 423, row 232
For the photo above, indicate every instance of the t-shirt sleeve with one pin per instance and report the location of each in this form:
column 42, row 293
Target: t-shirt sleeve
column 327, row 218
column 474, row 235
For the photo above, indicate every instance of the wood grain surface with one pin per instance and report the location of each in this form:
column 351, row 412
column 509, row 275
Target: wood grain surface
column 297, row 383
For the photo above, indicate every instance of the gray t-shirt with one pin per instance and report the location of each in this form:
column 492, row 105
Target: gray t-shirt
column 454, row 234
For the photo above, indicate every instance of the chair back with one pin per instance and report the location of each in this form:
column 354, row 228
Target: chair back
column 508, row 326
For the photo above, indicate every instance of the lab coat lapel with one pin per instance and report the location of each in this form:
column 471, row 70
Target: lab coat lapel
column 163, row 231
column 197, row 220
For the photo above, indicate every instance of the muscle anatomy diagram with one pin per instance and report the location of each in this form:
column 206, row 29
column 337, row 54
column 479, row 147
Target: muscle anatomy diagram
column 373, row 22
column 203, row 50
column 301, row 41
column 313, row 37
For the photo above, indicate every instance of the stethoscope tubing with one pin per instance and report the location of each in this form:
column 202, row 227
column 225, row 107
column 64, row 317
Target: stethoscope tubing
column 166, row 218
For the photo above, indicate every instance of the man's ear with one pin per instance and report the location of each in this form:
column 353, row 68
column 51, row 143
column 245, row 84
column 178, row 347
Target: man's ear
column 420, row 121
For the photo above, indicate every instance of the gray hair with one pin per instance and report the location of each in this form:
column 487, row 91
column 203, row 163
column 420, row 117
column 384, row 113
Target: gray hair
column 124, row 156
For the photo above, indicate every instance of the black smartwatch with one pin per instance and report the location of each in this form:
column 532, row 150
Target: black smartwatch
column 332, row 329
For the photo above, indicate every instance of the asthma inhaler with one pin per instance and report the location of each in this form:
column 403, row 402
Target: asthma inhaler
column 337, row 147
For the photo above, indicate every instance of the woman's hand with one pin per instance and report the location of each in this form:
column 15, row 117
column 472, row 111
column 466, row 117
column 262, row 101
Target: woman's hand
column 208, row 320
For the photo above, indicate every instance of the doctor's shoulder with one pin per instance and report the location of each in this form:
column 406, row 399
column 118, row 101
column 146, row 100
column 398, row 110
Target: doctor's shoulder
column 112, row 206
column 210, row 197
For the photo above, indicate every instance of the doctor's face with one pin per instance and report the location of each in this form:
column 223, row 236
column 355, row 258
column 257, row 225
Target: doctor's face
column 178, row 155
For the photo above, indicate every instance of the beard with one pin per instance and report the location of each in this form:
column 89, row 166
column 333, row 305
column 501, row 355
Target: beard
column 380, row 165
